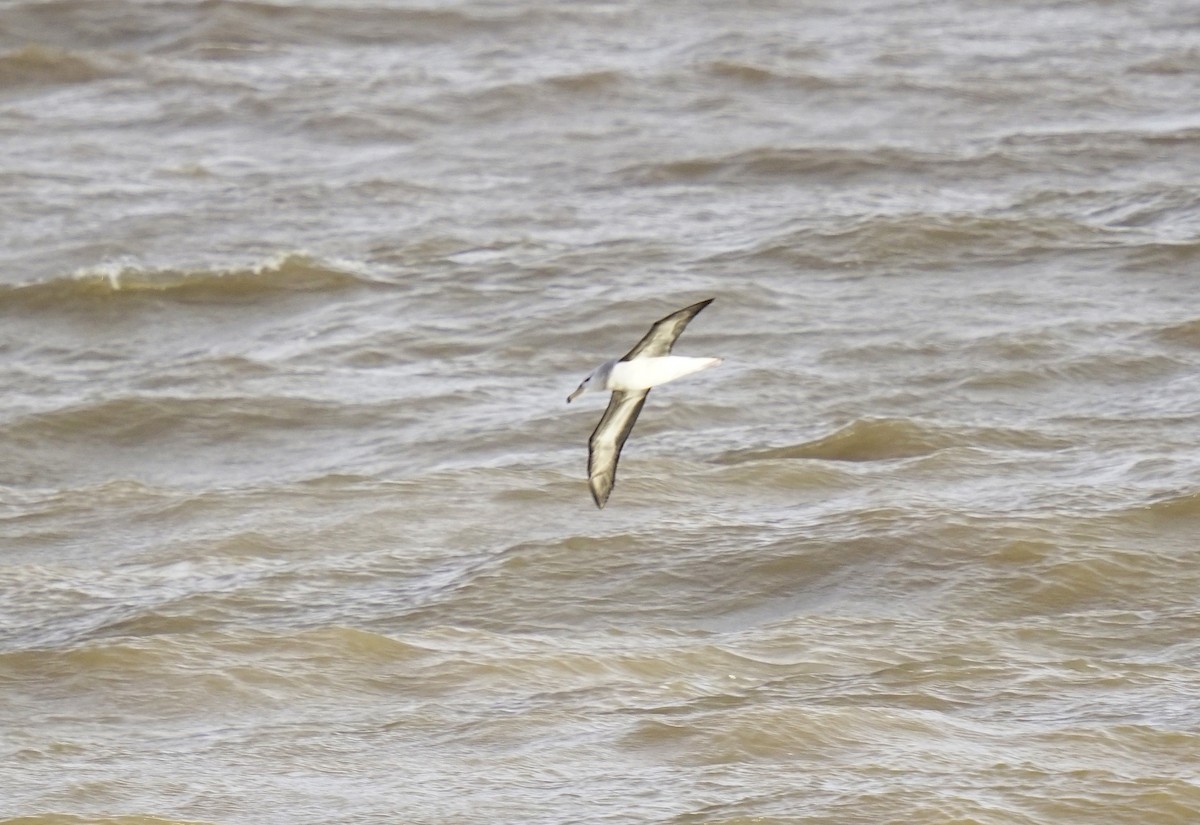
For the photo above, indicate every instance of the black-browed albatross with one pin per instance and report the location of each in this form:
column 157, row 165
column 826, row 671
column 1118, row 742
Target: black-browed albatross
column 630, row 378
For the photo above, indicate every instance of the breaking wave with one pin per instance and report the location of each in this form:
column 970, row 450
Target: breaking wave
column 289, row 273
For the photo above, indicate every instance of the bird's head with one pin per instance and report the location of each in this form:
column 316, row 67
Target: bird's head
column 596, row 381
column 582, row 388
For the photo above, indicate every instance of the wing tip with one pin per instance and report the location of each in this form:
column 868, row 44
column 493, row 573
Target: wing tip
column 600, row 494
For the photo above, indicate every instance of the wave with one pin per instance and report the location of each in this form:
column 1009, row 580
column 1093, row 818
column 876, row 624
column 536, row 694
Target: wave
column 90, row 819
column 228, row 26
column 828, row 163
column 884, row 439
column 1168, row 255
column 36, row 65
column 134, row 420
column 231, row 29
column 926, row 239
column 778, row 164
column 1078, row 371
column 580, row 89
column 1177, row 509
column 1186, row 333
column 753, row 74
column 289, row 273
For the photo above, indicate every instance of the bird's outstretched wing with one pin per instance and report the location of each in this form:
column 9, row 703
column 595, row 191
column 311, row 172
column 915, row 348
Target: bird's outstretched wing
column 661, row 337
column 604, row 447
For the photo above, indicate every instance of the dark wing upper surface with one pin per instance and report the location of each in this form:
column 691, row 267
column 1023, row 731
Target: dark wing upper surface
column 661, row 337
column 604, row 447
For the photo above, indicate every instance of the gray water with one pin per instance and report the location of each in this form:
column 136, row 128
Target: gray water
column 294, row 521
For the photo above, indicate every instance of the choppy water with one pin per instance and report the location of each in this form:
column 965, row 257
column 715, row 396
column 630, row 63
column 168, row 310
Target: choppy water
column 293, row 519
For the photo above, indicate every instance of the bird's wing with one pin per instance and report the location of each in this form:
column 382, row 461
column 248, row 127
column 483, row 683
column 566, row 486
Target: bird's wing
column 661, row 337
column 604, row 447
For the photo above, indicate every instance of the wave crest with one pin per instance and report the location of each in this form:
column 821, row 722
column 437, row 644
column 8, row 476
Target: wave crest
column 884, row 439
column 289, row 273
column 35, row 65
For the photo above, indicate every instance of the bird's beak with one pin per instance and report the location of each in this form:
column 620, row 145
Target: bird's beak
column 575, row 394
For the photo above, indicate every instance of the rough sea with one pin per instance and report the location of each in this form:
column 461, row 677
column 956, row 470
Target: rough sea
column 294, row 517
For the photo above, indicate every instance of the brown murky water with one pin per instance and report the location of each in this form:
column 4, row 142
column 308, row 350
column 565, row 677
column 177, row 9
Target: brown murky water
column 294, row 526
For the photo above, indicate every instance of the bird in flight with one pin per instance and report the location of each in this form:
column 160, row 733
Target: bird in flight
column 630, row 378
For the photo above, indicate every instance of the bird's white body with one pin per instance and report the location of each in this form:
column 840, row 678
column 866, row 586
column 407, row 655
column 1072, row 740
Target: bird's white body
column 644, row 373
column 641, row 373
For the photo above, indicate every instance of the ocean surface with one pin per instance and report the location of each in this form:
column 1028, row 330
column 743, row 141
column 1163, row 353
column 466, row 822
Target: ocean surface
column 294, row 519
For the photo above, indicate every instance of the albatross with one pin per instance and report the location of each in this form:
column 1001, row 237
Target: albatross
column 630, row 378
